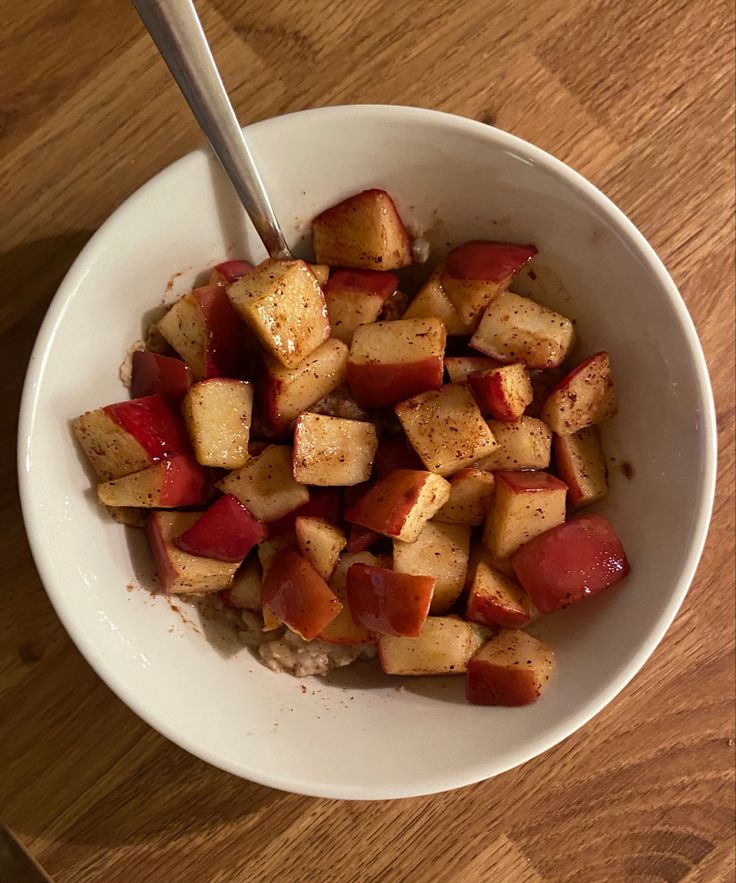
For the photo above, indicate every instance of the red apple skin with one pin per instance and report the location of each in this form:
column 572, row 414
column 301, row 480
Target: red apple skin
column 570, row 562
column 377, row 282
column 156, row 374
column 488, row 684
column 225, row 351
column 361, row 538
column 389, row 602
column 153, row 423
column 297, row 594
column 322, row 503
column 488, row 612
column 385, row 504
column 395, row 453
column 227, row 531
column 229, row 271
column 384, row 385
column 488, row 261
column 185, row 482
column 489, row 393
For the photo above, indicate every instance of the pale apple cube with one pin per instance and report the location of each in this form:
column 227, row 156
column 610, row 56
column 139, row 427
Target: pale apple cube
column 441, row 551
column 332, row 451
column 265, row 485
column 217, row 414
column 524, row 444
column 444, row 646
column 471, row 492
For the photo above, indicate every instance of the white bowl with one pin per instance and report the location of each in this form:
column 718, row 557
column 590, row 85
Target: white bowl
column 355, row 735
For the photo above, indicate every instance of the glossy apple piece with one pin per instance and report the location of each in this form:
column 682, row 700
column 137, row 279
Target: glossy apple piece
column 294, row 591
column 443, row 647
column 217, row 413
column 503, row 392
column 471, row 492
column 153, row 423
column 154, row 374
column 343, row 629
column 496, row 600
column 320, row 542
column 265, row 485
column 364, row 231
column 581, row 464
column 179, row 572
column 176, row 481
column 387, row 602
column 332, row 451
column 395, row 453
column 524, row 444
column 228, row 272
column 582, row 398
column 227, row 531
column 570, row 562
column 322, row 503
column 400, row 504
column 356, row 297
column 511, row 669
column 459, row 368
column 391, row 361
column 475, row 272
column 432, row 301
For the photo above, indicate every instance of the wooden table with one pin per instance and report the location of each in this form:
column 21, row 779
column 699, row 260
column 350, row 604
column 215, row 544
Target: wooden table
column 636, row 94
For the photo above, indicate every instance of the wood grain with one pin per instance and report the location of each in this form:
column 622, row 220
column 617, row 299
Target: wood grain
column 639, row 96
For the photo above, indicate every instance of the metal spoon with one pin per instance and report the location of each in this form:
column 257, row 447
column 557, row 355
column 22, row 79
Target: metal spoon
column 177, row 32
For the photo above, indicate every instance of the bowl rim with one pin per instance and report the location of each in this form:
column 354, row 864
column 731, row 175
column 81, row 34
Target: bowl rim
column 43, row 557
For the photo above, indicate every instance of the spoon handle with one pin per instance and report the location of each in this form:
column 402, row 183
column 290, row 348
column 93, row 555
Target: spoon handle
column 177, row 32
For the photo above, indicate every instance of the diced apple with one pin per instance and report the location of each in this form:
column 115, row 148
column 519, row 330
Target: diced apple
column 229, row 271
column 581, row 464
column 525, row 504
column 391, row 361
column 570, row 562
column 153, row 373
column 320, row 542
column 444, row 646
column 523, row 444
column 471, row 492
column 283, row 305
column 179, row 572
column 265, row 485
column 343, row 628
column 440, row 551
column 582, row 398
column 476, row 272
column 330, row 451
column 322, row 503
column 363, row 231
column 503, row 392
column 128, row 436
column 432, row 301
column 400, row 504
column 270, row 547
column 356, row 297
column 496, row 600
column 226, row 531
column 176, row 481
column 445, row 427
column 245, row 592
column 294, row 591
column 459, row 368
column 217, row 413
column 361, row 538
column 285, row 392
column 204, row 330
column 388, row 602
column 395, row 453
column 340, row 403
column 516, row 329
column 511, row 669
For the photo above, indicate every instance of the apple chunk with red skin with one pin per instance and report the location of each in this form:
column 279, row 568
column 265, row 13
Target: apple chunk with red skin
column 388, row 602
column 285, row 392
column 525, row 504
column 343, row 629
column 516, row 329
column 217, row 413
column 475, row 272
column 176, row 481
column 391, row 361
column 570, row 562
column 496, row 600
column 511, row 669
column 203, row 329
column 282, row 303
column 459, row 368
column 582, row 398
column 229, row 271
column 153, row 373
column 431, row 301
column 129, row 436
column 503, row 392
column 330, row 451
column 356, row 297
column 581, row 464
column 400, row 504
column 294, row 591
column 179, row 572
column 226, row 531
column 445, row 427
column 364, row 231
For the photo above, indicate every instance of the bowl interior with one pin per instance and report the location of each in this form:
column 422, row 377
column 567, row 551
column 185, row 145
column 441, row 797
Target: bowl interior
column 355, row 734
